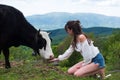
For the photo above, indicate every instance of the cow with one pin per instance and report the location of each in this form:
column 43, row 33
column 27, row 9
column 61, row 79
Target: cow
column 15, row 30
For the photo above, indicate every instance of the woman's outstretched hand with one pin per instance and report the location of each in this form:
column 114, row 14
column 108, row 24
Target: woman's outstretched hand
column 54, row 60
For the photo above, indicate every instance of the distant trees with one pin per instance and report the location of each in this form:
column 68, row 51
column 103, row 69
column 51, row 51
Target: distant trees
column 111, row 50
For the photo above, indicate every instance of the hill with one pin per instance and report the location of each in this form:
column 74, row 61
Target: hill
column 57, row 20
column 59, row 34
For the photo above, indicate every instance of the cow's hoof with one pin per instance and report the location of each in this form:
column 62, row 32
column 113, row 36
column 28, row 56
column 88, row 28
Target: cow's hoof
column 7, row 67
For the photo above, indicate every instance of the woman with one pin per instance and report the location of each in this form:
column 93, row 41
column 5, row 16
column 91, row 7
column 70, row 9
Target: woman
column 93, row 61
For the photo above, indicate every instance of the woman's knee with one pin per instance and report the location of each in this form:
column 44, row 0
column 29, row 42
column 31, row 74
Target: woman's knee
column 77, row 74
column 70, row 71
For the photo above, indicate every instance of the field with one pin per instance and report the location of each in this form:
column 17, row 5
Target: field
column 37, row 69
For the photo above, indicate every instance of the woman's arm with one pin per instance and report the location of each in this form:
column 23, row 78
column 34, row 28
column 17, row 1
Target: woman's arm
column 64, row 56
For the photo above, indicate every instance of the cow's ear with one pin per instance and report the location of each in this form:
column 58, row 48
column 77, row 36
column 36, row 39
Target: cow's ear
column 38, row 32
column 49, row 33
column 36, row 36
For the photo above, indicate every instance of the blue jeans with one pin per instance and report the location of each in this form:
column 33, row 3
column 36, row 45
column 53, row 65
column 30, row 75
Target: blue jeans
column 99, row 60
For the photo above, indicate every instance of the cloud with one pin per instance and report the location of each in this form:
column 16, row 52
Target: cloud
column 106, row 2
column 110, row 3
column 97, row 2
column 30, row 7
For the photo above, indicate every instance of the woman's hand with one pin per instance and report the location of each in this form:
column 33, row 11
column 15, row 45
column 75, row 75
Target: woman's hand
column 53, row 60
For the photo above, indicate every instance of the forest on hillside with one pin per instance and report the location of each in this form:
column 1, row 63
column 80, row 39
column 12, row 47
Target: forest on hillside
column 58, row 35
column 28, row 67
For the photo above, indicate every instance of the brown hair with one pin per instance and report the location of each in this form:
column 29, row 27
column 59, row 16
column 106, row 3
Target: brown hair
column 75, row 26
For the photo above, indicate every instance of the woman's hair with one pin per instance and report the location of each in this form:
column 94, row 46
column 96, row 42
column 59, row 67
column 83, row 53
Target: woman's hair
column 75, row 26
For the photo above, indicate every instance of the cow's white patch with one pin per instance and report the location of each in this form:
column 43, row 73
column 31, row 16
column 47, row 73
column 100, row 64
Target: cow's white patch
column 46, row 53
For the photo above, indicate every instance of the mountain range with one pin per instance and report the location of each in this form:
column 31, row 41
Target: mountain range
column 57, row 20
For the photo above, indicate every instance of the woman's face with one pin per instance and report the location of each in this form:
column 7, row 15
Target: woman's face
column 69, row 31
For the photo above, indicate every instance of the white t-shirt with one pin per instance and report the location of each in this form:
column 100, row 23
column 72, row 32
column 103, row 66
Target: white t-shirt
column 88, row 51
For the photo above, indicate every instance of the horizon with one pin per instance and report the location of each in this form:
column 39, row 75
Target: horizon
column 31, row 7
column 73, row 13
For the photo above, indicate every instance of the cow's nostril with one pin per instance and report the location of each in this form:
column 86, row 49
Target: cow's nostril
column 51, row 57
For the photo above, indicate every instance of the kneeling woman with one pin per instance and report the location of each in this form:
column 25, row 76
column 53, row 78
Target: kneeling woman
column 93, row 61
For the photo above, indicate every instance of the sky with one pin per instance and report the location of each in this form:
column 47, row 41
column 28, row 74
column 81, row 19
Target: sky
column 33, row 7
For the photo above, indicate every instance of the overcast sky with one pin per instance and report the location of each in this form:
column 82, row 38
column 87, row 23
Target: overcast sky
column 32, row 7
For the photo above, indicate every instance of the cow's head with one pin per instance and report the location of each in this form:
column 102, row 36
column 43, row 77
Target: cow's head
column 44, row 45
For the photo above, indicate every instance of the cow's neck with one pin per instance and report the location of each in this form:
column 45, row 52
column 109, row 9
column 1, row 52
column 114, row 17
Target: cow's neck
column 28, row 38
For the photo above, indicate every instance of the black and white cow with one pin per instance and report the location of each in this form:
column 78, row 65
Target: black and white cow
column 15, row 30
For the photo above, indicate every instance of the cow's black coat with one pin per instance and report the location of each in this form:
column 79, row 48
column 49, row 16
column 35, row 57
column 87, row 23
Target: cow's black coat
column 15, row 30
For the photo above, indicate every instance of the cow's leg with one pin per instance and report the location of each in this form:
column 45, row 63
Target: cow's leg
column 0, row 51
column 6, row 54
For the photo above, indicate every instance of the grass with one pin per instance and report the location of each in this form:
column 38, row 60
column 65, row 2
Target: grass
column 26, row 67
column 38, row 70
